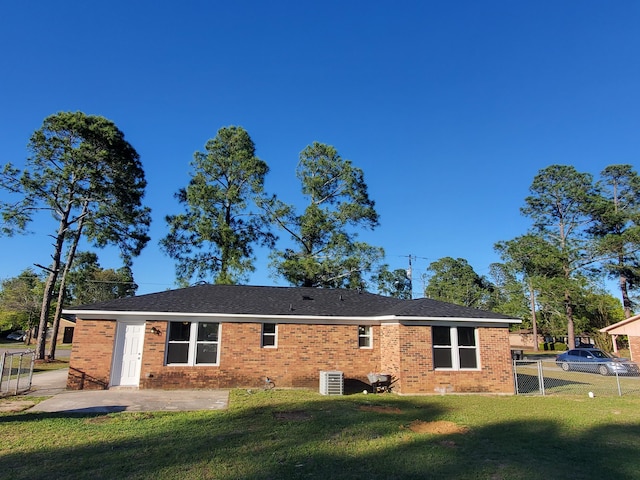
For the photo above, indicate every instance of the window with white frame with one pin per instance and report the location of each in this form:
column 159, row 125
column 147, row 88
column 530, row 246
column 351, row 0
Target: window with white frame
column 269, row 334
column 364, row 336
column 193, row 343
column 455, row 348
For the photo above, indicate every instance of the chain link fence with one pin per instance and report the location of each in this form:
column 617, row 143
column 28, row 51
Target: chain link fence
column 16, row 372
column 545, row 377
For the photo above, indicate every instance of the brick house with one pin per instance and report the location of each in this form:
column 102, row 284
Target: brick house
column 65, row 333
column 225, row 336
column 630, row 327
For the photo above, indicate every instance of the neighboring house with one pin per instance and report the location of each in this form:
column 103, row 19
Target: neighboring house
column 629, row 327
column 523, row 339
column 225, row 336
column 65, row 332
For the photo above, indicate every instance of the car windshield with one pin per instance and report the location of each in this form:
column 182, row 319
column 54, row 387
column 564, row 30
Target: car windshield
column 599, row 354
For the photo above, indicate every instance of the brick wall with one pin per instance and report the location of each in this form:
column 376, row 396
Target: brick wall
column 415, row 359
column 390, row 362
column 302, row 352
column 418, row 376
column 91, row 354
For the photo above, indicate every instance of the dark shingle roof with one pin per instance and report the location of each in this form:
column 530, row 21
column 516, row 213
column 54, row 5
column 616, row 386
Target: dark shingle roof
column 427, row 307
column 254, row 300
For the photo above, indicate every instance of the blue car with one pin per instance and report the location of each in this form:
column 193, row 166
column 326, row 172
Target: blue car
column 596, row 361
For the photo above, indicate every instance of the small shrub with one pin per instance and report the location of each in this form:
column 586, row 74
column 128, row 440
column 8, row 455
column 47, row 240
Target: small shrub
column 557, row 347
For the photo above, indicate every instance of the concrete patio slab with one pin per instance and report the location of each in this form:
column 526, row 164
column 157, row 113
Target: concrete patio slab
column 53, row 383
column 107, row 401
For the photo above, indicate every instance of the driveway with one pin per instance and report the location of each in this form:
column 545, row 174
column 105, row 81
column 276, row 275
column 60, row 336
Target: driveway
column 116, row 399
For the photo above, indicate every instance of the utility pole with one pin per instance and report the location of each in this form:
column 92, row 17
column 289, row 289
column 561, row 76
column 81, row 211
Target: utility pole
column 409, row 277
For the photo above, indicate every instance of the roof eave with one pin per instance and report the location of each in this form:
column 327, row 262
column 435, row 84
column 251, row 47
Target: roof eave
column 619, row 324
column 386, row 319
column 415, row 319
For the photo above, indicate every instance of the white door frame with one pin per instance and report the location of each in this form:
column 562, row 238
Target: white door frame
column 127, row 353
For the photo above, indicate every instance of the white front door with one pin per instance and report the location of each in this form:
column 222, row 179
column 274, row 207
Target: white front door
column 127, row 357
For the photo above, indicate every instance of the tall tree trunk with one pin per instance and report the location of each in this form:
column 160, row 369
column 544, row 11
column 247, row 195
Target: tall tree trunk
column 568, row 304
column 624, row 285
column 50, row 284
column 48, row 292
column 571, row 334
column 534, row 322
column 63, row 283
column 623, row 280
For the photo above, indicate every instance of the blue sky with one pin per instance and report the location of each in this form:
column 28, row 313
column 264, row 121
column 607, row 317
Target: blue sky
column 449, row 108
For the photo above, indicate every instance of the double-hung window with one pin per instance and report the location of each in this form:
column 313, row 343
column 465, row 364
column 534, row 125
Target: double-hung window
column 193, row 343
column 455, row 348
column 364, row 336
column 269, row 334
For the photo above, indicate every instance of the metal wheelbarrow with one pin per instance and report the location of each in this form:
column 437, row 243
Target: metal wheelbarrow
column 380, row 382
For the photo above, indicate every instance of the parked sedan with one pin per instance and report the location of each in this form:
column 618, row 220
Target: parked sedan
column 18, row 335
column 596, row 361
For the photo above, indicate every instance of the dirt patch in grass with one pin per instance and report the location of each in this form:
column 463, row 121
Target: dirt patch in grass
column 16, row 405
column 437, row 428
column 380, row 409
column 295, row 416
column 98, row 420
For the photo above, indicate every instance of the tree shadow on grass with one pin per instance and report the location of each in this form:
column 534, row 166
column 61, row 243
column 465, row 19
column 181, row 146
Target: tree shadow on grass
column 335, row 438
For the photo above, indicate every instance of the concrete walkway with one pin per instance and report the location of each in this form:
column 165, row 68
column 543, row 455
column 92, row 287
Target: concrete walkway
column 45, row 384
column 118, row 400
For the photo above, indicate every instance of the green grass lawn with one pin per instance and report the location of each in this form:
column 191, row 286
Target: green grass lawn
column 291, row 434
column 558, row 382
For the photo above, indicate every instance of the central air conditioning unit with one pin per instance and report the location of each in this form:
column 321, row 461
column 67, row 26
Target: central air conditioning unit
column 331, row 383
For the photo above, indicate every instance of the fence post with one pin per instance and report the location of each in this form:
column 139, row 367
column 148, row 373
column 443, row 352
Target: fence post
column 18, row 374
column 540, row 377
column 4, row 357
column 32, row 364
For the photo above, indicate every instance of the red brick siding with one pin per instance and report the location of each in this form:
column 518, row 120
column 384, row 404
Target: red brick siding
column 302, row 352
column 419, row 376
column 390, row 361
column 91, row 354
